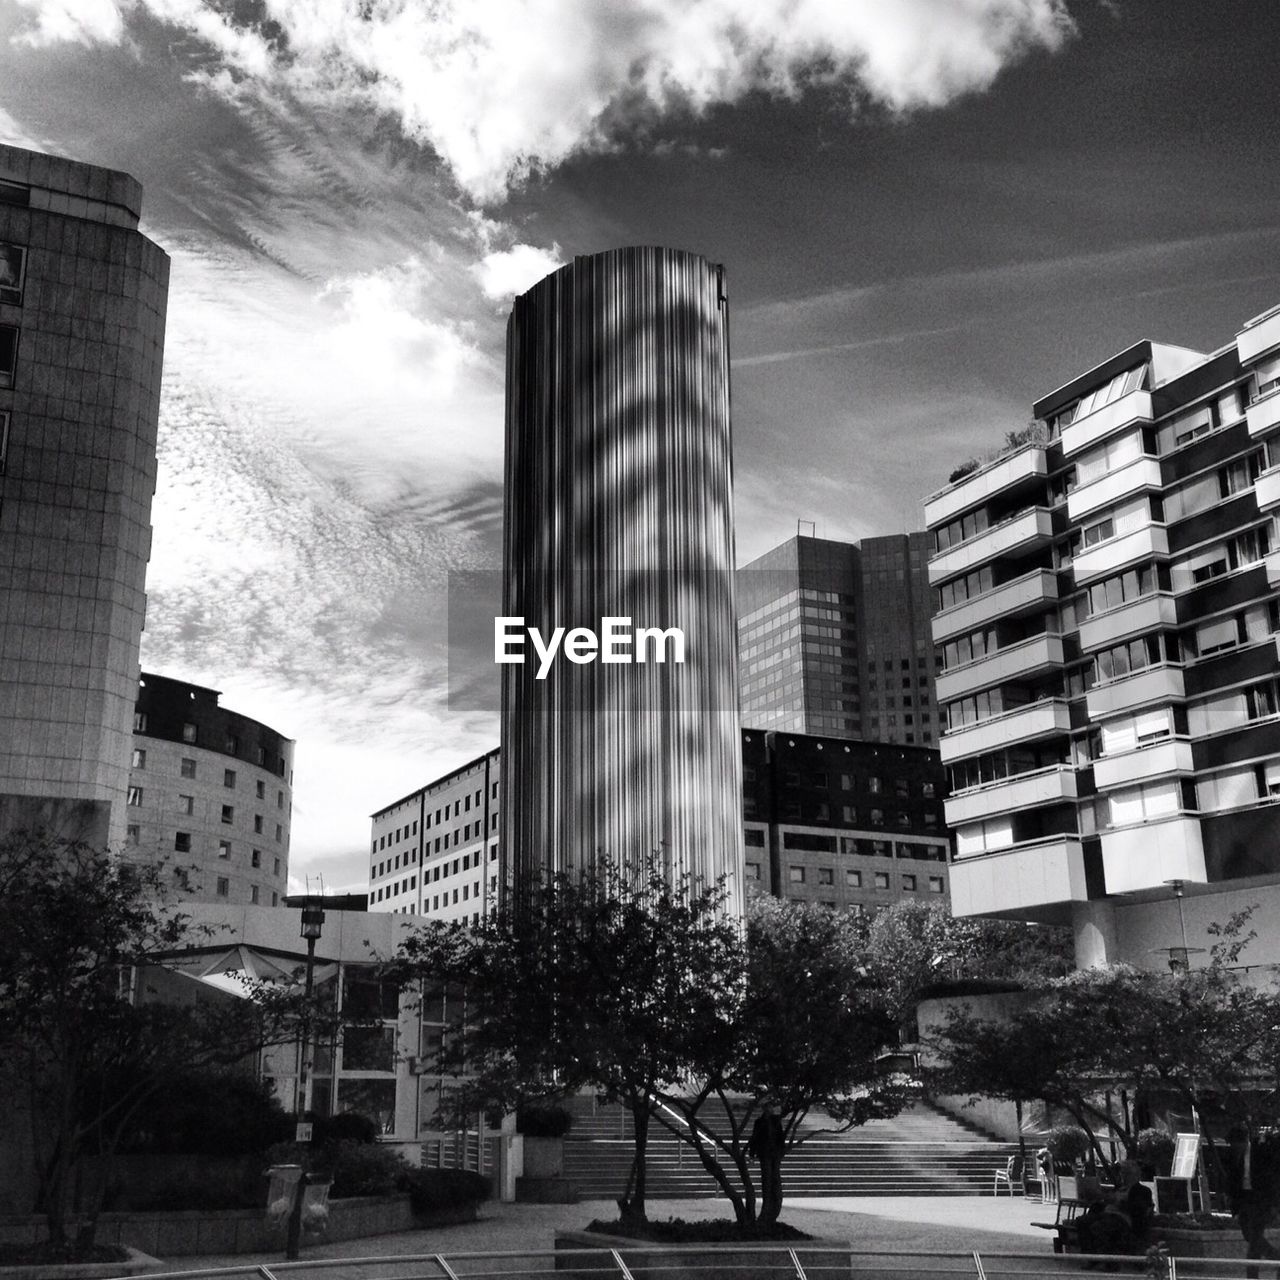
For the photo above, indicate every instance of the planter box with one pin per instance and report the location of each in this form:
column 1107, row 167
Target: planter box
column 134, row 1265
column 747, row 1260
column 1184, row 1243
column 228, row 1231
column 545, row 1191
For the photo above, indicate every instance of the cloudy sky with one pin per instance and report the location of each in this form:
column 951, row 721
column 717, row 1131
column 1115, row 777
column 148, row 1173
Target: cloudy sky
column 931, row 211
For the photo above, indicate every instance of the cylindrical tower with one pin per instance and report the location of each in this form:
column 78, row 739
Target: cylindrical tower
column 619, row 504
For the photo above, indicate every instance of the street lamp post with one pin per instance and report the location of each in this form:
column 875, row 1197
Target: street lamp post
column 312, row 927
column 1179, row 957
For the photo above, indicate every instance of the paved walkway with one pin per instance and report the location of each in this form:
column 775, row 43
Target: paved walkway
column 895, row 1225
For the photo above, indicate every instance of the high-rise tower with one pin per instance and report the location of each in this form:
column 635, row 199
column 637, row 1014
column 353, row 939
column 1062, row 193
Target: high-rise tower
column 82, row 313
column 619, row 504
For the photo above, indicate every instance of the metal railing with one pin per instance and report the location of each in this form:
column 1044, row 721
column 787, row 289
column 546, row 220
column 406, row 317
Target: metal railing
column 742, row 1261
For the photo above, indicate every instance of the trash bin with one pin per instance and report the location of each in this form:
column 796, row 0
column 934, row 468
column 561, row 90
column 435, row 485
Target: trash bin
column 282, row 1188
column 315, row 1207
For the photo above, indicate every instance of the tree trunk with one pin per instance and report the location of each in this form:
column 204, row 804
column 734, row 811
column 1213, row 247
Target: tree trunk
column 770, row 1188
column 632, row 1205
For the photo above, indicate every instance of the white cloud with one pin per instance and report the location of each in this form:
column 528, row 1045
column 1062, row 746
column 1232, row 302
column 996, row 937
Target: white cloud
column 509, row 272
column 78, row 21
column 506, row 88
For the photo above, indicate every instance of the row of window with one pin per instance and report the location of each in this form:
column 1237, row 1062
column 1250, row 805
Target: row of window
column 230, row 746
column 797, row 874
column 187, row 768
column 186, row 804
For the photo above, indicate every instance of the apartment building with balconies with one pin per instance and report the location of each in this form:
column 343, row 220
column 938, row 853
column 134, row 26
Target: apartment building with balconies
column 1108, row 607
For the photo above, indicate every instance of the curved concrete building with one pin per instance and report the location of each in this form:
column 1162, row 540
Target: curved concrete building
column 619, row 505
column 210, row 796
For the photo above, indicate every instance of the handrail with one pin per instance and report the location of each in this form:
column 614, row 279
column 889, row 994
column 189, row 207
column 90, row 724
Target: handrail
column 788, row 1257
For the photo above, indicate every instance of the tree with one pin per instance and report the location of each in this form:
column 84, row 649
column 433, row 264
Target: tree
column 646, row 991
column 81, row 1043
column 916, row 945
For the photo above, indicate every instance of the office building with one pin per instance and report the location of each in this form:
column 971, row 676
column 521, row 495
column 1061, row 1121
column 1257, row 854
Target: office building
column 618, row 504
column 1108, row 610
column 210, row 796
column 435, row 852
column 82, row 315
column 852, row 825
column 834, row 639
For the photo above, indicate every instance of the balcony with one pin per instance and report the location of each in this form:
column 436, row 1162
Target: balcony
column 1101, row 423
column 1146, row 688
column 1273, row 569
column 1142, row 473
column 1267, row 490
column 1031, row 593
column 1259, row 336
column 1264, row 414
column 1129, row 548
column 1023, row 532
column 1025, row 791
column 1131, row 619
column 1026, row 724
column 1156, row 760
column 1027, row 465
column 1150, row 855
column 1047, row 873
column 1039, row 653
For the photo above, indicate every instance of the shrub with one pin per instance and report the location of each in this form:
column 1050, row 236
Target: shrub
column 210, row 1113
column 347, row 1126
column 435, row 1189
column 1068, row 1144
column 1155, row 1151
column 964, row 469
column 704, row 1231
column 543, row 1121
column 354, row 1168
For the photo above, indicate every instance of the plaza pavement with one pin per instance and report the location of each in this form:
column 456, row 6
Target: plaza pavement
column 890, row 1225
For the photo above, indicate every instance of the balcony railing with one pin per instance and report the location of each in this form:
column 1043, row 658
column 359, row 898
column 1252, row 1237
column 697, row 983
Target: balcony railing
column 1134, row 477
column 1106, row 421
column 1023, row 531
column 1020, row 466
column 1149, row 855
column 1151, row 760
column 1267, row 489
column 1152, row 686
column 1007, row 795
column 1129, row 619
column 1021, row 878
column 1026, row 657
column 1028, row 594
column 1115, row 553
column 1259, row 336
column 1023, row 724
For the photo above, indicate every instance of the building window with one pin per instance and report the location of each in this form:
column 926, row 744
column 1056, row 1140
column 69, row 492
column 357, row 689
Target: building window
column 224, row 849
column 279, row 832
column 275, row 899
column 257, row 823
column 135, row 796
column 276, row 870
column 882, row 879
column 182, row 842
column 8, row 353
column 13, row 264
column 228, row 813
column 253, row 893
column 795, row 875
column 186, row 804
column 935, row 884
column 224, row 886
column 853, row 879
column 262, row 790
column 826, row 875
column 139, row 759
column 280, row 805
column 229, row 778
column 139, row 722
column 132, row 835
column 909, row 883
column 232, row 745
column 255, row 858
column 188, row 768
column 188, row 733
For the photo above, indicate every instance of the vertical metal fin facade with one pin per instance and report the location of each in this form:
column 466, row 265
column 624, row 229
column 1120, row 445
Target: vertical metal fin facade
column 619, row 503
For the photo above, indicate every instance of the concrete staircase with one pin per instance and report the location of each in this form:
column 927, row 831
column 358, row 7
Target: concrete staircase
column 921, row 1152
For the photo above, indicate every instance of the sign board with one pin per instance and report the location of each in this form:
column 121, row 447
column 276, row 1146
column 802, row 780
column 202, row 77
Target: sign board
column 303, row 1132
column 1186, row 1155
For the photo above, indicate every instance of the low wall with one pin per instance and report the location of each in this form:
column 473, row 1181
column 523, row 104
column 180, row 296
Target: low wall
column 227, row 1231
